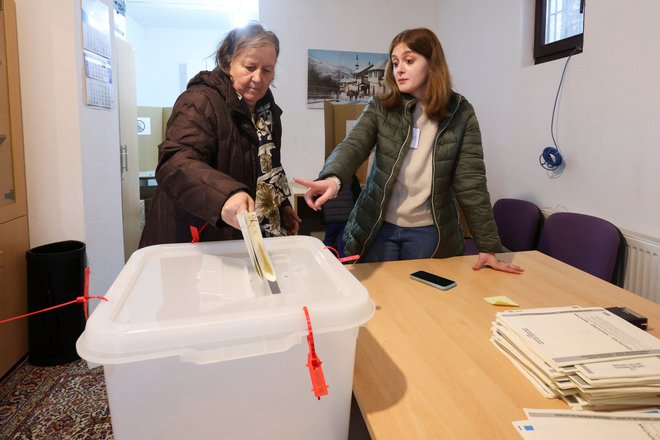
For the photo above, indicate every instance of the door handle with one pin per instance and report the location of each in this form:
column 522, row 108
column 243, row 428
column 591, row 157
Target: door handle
column 123, row 158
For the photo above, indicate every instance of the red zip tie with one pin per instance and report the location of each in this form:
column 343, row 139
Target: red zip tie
column 86, row 291
column 349, row 258
column 195, row 233
column 333, row 250
column 319, row 387
column 81, row 299
column 343, row 259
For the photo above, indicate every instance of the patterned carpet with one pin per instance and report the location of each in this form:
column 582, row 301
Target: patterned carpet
column 61, row 402
column 70, row 402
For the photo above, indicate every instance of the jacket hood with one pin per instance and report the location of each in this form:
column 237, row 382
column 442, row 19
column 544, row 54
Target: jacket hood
column 215, row 79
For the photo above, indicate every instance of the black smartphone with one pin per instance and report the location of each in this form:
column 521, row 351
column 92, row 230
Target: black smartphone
column 433, row 280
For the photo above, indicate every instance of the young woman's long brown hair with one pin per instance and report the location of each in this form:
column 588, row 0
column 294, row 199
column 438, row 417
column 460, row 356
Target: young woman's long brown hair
column 438, row 88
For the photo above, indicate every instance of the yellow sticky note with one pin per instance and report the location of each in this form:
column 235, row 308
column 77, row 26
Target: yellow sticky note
column 501, row 301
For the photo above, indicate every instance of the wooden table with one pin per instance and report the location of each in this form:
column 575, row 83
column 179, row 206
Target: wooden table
column 425, row 367
column 297, row 194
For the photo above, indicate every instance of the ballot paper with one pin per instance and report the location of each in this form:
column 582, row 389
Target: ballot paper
column 589, row 357
column 630, row 369
column 259, row 257
column 570, row 336
column 580, row 425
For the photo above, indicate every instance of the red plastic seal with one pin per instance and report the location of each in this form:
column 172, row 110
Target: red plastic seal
column 319, row 387
column 195, row 233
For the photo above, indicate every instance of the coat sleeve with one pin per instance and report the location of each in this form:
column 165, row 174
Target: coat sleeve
column 471, row 189
column 184, row 168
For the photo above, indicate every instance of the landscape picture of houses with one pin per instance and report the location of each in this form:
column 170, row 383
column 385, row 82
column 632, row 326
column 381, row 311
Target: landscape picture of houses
column 344, row 77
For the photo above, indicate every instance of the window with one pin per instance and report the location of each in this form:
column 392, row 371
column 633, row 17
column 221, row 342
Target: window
column 559, row 29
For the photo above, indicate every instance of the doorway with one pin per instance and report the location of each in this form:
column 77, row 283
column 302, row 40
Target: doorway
column 172, row 40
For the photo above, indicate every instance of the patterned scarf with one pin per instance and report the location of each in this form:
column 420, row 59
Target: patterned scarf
column 272, row 184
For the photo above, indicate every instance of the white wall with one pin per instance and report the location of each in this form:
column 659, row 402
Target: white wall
column 71, row 150
column 366, row 26
column 162, row 53
column 608, row 128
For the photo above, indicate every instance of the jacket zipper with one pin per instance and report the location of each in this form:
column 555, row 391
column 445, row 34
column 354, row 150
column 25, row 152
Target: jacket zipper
column 433, row 211
column 380, row 208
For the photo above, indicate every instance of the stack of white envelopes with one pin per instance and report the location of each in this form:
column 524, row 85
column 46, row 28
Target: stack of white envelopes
column 588, row 357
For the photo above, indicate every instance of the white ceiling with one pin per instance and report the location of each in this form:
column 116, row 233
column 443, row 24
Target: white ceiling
column 200, row 14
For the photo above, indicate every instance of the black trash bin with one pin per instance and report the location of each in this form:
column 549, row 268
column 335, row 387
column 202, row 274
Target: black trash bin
column 56, row 275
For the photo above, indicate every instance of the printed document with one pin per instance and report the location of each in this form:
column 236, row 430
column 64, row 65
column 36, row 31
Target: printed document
column 589, row 357
column 570, row 336
column 580, row 425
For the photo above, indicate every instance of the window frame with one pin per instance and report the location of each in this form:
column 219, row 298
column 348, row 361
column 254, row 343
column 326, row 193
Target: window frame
column 558, row 49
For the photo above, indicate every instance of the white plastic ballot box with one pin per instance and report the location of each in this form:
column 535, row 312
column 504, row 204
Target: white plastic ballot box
column 194, row 345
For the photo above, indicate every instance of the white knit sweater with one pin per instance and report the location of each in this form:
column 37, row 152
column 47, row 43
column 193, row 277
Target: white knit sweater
column 410, row 202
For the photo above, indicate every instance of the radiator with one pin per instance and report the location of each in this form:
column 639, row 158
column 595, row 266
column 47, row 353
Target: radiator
column 642, row 265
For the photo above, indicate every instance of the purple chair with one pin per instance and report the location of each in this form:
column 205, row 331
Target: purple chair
column 589, row 243
column 518, row 223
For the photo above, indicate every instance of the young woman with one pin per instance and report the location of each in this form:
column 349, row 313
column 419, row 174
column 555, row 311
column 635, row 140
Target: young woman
column 221, row 154
column 428, row 162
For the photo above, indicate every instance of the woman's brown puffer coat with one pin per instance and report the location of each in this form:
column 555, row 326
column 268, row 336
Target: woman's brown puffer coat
column 209, row 153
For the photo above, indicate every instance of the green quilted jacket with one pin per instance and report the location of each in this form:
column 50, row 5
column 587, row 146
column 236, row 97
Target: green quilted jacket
column 459, row 175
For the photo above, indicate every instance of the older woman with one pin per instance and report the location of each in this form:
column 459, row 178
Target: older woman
column 221, row 153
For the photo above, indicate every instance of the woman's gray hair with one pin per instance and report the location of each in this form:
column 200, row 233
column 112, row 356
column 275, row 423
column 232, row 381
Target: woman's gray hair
column 251, row 35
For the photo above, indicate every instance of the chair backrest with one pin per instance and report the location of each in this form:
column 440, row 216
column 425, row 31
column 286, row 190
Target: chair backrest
column 518, row 222
column 583, row 241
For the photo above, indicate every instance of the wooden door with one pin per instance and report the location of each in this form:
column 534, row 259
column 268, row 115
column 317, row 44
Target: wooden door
column 13, row 292
column 128, row 150
column 13, row 203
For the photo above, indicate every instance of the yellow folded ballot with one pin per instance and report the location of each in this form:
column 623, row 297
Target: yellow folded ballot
column 255, row 245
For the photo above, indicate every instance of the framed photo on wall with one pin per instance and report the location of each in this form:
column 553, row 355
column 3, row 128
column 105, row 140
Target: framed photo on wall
column 344, row 77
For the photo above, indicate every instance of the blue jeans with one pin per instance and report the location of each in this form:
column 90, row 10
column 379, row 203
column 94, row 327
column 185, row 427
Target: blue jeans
column 397, row 243
column 334, row 237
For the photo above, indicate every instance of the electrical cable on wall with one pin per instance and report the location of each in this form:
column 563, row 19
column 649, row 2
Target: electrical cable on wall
column 551, row 158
